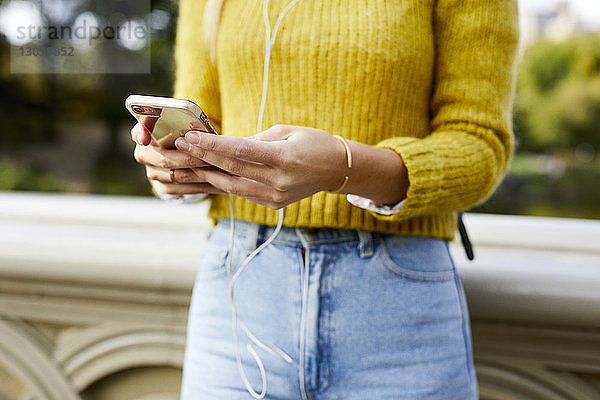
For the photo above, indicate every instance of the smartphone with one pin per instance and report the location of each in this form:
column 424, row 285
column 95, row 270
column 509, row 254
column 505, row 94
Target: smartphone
column 167, row 119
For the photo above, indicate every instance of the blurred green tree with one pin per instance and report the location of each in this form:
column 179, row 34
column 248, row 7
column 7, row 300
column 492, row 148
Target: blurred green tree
column 558, row 95
column 556, row 169
column 33, row 106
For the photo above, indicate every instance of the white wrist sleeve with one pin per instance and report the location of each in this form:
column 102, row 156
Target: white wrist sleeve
column 369, row 205
column 183, row 199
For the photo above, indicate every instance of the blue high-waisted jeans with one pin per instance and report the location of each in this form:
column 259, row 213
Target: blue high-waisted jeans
column 362, row 315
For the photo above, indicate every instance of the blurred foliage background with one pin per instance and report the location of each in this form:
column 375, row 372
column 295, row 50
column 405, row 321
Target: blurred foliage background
column 556, row 168
column 71, row 132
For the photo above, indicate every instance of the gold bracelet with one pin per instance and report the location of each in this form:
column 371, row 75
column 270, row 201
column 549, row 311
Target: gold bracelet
column 349, row 159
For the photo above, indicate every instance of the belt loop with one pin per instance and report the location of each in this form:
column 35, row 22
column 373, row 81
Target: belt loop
column 250, row 235
column 366, row 244
column 304, row 239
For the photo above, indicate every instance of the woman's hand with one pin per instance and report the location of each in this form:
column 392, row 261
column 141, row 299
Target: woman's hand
column 285, row 164
column 159, row 161
column 274, row 168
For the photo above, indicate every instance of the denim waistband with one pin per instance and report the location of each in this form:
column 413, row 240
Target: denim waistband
column 251, row 234
column 299, row 236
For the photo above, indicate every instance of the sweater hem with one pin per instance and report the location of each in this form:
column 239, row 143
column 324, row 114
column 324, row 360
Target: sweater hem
column 442, row 226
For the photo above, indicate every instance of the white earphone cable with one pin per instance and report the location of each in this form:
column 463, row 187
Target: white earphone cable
column 270, row 348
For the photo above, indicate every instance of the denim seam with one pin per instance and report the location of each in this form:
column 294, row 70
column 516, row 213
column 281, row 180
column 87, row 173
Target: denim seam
column 298, row 243
column 205, row 276
column 468, row 341
column 461, row 305
column 304, row 390
column 415, row 275
column 325, row 327
column 216, row 272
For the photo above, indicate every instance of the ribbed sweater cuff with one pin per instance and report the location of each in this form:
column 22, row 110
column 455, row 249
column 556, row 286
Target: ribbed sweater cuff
column 425, row 185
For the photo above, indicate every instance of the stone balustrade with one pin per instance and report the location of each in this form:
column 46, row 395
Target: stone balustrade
column 94, row 293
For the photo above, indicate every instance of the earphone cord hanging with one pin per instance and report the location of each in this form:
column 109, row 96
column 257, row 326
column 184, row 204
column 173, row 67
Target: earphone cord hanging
column 269, row 44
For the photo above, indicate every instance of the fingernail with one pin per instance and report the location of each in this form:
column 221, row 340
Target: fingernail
column 192, row 137
column 182, row 144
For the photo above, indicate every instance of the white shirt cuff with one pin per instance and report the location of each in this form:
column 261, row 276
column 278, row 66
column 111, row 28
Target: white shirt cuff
column 183, row 199
column 369, row 205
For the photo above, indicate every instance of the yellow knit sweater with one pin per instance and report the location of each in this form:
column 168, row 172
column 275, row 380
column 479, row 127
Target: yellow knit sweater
column 430, row 79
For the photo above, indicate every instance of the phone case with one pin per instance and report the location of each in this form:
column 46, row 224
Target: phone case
column 167, row 118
